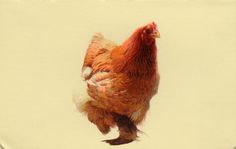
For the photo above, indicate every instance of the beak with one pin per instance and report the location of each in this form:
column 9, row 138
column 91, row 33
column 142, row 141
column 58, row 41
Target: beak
column 156, row 35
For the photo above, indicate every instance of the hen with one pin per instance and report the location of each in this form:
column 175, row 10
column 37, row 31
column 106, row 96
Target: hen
column 121, row 80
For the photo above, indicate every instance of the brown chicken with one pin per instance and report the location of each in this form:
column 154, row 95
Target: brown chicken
column 121, row 81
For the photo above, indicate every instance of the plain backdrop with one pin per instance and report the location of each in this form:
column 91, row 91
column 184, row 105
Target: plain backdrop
column 42, row 46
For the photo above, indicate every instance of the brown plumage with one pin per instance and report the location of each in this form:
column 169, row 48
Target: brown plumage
column 121, row 81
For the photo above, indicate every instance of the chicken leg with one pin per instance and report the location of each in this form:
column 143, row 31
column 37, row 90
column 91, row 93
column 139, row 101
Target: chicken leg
column 127, row 131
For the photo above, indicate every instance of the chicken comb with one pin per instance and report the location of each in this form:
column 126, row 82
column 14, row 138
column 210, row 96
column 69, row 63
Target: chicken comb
column 154, row 25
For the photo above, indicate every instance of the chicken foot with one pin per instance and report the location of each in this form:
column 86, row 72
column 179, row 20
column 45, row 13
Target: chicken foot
column 127, row 131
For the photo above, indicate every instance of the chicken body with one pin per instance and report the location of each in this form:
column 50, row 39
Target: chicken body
column 121, row 81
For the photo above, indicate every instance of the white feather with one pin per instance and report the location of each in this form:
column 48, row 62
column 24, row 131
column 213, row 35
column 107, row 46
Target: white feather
column 86, row 72
column 136, row 114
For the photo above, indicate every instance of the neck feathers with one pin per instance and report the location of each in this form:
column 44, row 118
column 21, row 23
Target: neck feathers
column 136, row 57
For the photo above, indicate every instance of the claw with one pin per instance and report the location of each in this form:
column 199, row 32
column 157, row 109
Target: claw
column 118, row 141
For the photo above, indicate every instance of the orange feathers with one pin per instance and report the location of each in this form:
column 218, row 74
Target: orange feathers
column 121, row 81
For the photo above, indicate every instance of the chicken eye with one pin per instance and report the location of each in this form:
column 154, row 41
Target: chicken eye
column 148, row 31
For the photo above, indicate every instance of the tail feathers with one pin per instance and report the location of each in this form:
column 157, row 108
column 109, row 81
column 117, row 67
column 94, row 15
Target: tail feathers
column 98, row 41
column 97, row 37
column 97, row 46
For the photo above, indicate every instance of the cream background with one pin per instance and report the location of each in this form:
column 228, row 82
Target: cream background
column 42, row 44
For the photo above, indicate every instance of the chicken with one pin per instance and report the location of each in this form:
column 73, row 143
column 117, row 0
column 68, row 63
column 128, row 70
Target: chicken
column 121, row 80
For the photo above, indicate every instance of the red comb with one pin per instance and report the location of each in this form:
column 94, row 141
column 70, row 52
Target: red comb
column 154, row 24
